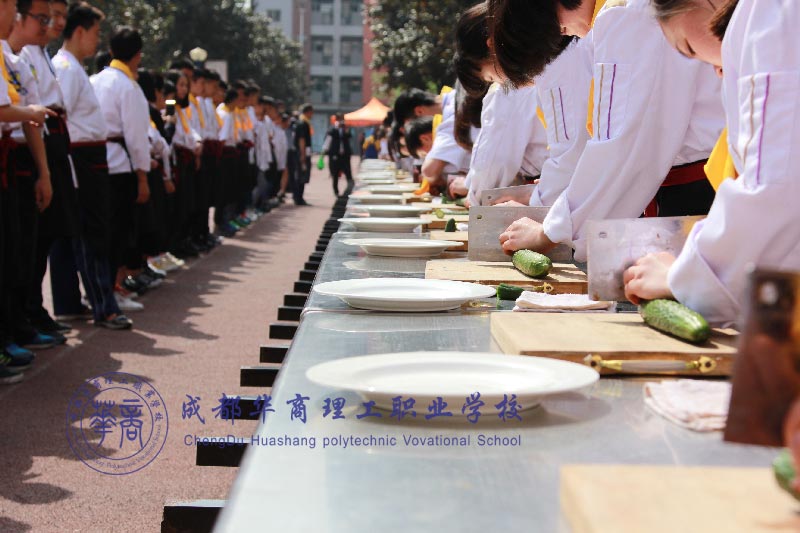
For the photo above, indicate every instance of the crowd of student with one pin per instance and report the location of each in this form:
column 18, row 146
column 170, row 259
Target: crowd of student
column 620, row 109
column 113, row 177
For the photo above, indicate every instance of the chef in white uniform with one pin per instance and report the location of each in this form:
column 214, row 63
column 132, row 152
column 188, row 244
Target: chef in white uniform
column 446, row 156
column 754, row 220
column 643, row 126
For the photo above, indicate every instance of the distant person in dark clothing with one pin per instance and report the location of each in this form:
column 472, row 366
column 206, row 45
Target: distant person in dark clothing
column 303, row 132
column 337, row 147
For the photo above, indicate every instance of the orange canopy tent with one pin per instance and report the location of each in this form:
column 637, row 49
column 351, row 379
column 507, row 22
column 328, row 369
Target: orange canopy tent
column 371, row 114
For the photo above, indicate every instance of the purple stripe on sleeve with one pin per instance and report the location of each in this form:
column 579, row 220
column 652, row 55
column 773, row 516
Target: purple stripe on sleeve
column 610, row 103
column 761, row 136
column 563, row 120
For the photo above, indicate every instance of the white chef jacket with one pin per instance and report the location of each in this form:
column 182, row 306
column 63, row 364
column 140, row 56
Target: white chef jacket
column 49, row 89
column 562, row 91
column 653, row 109
column 227, row 133
column 85, row 120
column 280, row 143
column 5, row 99
column 445, row 148
column 210, row 114
column 183, row 138
column 20, row 70
column 511, row 139
column 194, row 118
column 754, row 219
column 127, row 115
column 160, row 150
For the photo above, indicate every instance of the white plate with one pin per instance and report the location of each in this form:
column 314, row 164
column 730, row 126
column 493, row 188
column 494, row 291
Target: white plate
column 377, row 198
column 411, row 295
column 402, row 247
column 454, row 376
column 388, row 225
column 397, row 188
column 393, row 210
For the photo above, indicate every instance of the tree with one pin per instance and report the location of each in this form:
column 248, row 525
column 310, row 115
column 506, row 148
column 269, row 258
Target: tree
column 227, row 29
column 414, row 42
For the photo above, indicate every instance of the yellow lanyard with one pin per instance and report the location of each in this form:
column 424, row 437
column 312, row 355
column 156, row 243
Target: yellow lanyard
column 182, row 117
column 119, row 65
column 720, row 163
column 200, row 117
column 589, row 121
column 12, row 90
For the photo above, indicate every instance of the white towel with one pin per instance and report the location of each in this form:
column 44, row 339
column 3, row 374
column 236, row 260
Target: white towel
column 559, row 303
column 690, row 403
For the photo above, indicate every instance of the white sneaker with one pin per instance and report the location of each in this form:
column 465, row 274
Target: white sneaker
column 157, row 265
column 176, row 263
column 126, row 304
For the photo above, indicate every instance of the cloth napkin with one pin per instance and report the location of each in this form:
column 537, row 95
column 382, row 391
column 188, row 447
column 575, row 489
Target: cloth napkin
column 690, row 403
column 559, row 303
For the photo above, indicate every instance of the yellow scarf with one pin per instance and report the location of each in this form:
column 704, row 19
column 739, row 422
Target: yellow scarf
column 219, row 119
column 119, row 65
column 201, row 118
column 720, row 163
column 13, row 95
column 437, row 119
column 182, row 117
column 589, row 121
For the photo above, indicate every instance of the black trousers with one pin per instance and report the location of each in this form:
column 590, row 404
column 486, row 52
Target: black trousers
column 340, row 164
column 685, row 200
column 124, row 189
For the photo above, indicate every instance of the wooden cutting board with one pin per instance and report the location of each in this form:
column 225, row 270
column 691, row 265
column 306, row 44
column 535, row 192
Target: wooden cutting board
column 433, row 222
column 460, row 236
column 564, row 278
column 670, row 499
column 612, row 336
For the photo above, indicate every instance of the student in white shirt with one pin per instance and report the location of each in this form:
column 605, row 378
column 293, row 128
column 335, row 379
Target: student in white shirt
column 650, row 136
column 229, row 134
column 753, row 221
column 281, row 151
column 128, row 150
column 88, row 133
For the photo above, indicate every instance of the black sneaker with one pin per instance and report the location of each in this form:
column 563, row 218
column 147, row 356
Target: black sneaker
column 84, row 314
column 117, row 323
column 49, row 326
column 131, row 284
column 16, row 359
column 8, row 377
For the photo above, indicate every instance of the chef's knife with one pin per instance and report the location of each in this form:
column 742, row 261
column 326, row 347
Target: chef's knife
column 614, row 245
column 518, row 193
column 487, row 223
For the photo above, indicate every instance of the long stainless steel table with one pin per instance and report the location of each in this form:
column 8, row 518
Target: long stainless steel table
column 404, row 488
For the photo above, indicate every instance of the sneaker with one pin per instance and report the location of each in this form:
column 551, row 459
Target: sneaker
column 58, row 337
column 40, row 341
column 177, row 263
column 155, row 272
column 48, row 325
column 8, row 377
column 131, row 284
column 16, row 359
column 235, row 225
column 159, row 265
column 148, row 281
column 126, row 304
column 117, row 323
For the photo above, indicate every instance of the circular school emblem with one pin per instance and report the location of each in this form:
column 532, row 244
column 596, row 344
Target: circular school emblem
column 117, row 423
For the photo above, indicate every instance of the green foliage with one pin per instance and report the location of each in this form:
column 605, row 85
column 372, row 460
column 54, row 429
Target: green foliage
column 414, row 42
column 227, row 29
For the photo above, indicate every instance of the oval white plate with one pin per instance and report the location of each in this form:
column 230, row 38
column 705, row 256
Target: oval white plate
column 377, row 198
column 454, row 376
column 397, row 188
column 411, row 295
column 389, row 225
column 393, row 210
column 402, row 247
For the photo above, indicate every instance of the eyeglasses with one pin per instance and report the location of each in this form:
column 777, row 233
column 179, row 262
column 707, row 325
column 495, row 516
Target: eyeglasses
column 44, row 20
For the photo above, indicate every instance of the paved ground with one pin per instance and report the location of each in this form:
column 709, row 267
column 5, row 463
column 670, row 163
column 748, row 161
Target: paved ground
column 197, row 330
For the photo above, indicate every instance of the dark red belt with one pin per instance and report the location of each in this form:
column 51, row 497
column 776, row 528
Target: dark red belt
column 680, row 175
column 88, row 144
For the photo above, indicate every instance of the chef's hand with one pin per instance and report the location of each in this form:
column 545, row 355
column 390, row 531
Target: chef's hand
column 458, row 188
column 508, row 203
column 525, row 234
column 39, row 113
column 647, row 278
column 43, row 191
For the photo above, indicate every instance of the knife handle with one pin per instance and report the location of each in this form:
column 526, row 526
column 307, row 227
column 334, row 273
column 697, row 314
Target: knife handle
column 703, row 365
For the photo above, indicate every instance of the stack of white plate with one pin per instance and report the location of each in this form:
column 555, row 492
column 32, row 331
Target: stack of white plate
column 386, row 225
column 393, row 210
column 402, row 247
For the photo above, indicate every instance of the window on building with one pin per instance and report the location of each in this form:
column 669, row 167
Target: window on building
column 350, row 90
column 351, row 12
column 352, row 51
column 322, row 12
column 321, row 89
column 322, row 50
column 274, row 14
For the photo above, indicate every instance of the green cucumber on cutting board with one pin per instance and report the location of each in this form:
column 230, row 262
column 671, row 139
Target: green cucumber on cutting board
column 676, row 319
column 532, row 263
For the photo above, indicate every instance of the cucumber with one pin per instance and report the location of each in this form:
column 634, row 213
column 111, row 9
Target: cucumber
column 508, row 292
column 439, row 213
column 450, row 227
column 783, row 467
column 676, row 319
column 532, row 263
